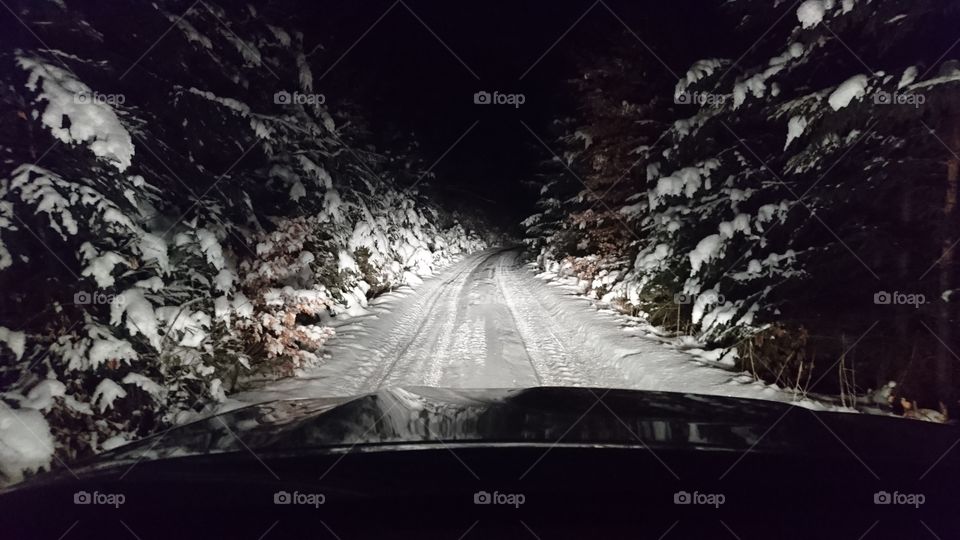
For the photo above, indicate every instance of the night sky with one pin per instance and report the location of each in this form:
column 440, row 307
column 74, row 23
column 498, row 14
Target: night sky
column 403, row 77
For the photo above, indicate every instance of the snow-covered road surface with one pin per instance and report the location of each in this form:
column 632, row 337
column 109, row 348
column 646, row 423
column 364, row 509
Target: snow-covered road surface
column 488, row 322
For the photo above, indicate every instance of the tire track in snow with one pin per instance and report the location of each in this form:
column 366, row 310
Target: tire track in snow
column 498, row 277
column 421, row 317
column 549, row 355
column 503, row 328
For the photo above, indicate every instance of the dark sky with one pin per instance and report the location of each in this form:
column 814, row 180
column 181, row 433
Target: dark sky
column 403, row 77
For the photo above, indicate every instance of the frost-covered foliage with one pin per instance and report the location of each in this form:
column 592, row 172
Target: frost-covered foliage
column 169, row 229
column 762, row 204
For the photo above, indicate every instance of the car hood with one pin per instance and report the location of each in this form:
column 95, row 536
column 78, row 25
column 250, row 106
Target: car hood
column 409, row 418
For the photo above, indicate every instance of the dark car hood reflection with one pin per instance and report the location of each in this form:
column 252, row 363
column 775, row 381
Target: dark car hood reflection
column 407, row 417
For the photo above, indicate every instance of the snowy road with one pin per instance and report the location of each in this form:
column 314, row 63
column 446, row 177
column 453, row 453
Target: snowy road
column 489, row 322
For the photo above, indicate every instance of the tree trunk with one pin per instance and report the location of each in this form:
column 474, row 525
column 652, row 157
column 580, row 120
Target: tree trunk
column 891, row 364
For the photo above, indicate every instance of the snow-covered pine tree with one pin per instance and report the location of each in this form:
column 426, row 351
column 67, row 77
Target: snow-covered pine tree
column 173, row 224
column 790, row 189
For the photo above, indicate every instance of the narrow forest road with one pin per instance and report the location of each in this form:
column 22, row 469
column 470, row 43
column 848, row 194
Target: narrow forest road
column 489, row 322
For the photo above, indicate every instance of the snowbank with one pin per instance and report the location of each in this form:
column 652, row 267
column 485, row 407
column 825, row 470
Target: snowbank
column 26, row 444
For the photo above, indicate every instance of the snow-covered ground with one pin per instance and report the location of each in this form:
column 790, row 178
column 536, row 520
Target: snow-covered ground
column 488, row 321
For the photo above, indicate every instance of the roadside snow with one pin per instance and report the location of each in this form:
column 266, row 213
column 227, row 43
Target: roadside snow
column 489, row 322
column 26, row 444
